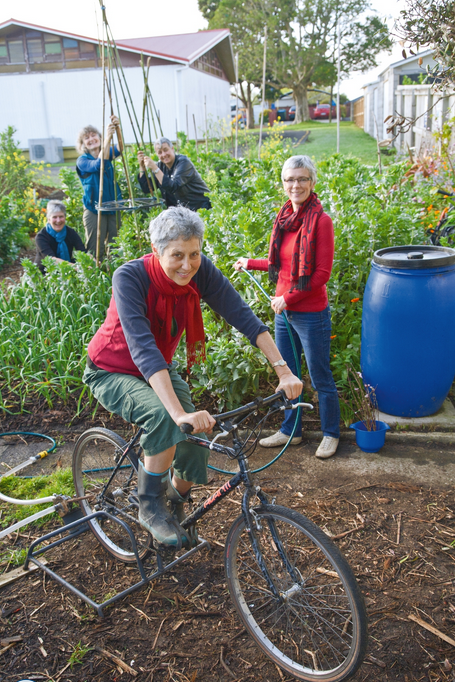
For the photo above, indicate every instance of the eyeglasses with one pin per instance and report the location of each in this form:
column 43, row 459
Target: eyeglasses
column 299, row 181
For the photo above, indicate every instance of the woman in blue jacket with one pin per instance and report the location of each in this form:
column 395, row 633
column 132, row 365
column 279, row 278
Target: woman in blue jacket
column 88, row 168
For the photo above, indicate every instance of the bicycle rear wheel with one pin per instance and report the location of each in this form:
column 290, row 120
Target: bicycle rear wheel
column 314, row 626
column 95, row 455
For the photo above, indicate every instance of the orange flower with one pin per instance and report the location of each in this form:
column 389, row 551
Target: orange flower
column 334, row 356
column 430, row 207
column 334, row 336
column 354, row 300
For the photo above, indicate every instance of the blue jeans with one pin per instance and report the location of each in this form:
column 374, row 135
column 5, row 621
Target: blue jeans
column 311, row 333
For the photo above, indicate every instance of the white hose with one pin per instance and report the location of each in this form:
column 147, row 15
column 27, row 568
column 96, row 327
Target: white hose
column 27, row 503
column 24, row 522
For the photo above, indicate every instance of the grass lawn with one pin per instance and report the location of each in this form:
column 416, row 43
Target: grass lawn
column 323, row 141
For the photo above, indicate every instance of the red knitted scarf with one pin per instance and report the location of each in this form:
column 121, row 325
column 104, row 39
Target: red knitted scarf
column 305, row 219
column 162, row 320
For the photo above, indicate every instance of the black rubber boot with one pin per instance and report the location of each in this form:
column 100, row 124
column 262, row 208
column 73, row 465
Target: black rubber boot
column 153, row 512
column 176, row 502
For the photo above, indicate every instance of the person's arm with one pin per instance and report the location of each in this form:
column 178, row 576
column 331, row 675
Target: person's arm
column 162, row 385
column 146, row 183
column 289, row 383
column 261, row 264
column 44, row 246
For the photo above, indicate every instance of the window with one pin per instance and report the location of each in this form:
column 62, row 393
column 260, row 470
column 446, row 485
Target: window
column 3, row 52
column 71, row 48
column 209, row 63
column 16, row 51
column 52, row 45
column 86, row 50
column 35, row 49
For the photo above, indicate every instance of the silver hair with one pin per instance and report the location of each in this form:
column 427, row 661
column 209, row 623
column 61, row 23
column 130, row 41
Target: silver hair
column 176, row 222
column 80, row 146
column 55, row 206
column 163, row 140
column 301, row 161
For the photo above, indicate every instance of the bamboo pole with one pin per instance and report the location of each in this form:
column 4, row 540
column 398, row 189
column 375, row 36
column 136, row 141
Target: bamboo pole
column 195, row 136
column 263, row 91
column 236, row 105
column 206, row 128
column 100, row 197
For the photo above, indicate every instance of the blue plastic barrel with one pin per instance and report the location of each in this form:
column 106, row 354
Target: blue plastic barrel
column 408, row 329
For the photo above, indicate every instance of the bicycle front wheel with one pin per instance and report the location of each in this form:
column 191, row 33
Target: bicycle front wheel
column 301, row 602
column 95, row 456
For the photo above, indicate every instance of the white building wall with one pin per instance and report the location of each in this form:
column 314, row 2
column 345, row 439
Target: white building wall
column 59, row 104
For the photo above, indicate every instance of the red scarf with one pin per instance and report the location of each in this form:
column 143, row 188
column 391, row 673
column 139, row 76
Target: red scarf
column 305, row 219
column 161, row 323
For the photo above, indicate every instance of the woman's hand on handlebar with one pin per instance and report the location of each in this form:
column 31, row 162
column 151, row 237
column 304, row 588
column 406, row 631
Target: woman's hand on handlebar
column 290, row 384
column 241, row 263
column 200, row 421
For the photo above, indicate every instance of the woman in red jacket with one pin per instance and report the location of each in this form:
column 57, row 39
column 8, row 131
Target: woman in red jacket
column 300, row 262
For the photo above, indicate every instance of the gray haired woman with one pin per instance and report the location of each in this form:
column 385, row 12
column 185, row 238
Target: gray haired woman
column 130, row 371
column 300, row 262
column 56, row 240
column 176, row 177
column 88, row 167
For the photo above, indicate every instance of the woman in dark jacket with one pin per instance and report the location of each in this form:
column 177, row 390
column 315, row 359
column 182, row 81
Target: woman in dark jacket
column 57, row 240
column 176, row 177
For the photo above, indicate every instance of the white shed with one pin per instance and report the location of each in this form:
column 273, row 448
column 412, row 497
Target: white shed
column 51, row 81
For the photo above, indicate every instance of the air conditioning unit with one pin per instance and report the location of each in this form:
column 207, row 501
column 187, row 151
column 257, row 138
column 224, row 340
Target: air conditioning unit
column 46, row 150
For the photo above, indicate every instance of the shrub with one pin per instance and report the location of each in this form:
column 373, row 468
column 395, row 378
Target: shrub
column 13, row 167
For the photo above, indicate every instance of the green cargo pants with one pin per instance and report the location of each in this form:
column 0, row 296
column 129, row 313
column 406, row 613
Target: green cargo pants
column 135, row 400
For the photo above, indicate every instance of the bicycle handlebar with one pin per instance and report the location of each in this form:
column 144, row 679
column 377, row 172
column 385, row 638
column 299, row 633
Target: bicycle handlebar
column 251, row 407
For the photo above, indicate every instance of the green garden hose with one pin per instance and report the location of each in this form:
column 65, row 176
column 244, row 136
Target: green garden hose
column 299, row 374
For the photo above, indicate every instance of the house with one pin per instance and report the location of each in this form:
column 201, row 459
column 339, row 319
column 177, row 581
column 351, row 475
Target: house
column 51, row 82
column 398, row 90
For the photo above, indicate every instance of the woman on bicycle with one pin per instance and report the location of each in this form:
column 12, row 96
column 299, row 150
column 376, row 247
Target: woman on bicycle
column 129, row 366
column 300, row 262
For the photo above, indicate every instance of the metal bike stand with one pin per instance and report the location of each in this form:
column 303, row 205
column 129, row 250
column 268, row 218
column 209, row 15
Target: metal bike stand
column 72, row 529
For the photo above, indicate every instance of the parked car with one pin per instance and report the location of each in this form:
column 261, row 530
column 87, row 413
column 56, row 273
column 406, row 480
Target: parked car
column 323, row 111
column 291, row 113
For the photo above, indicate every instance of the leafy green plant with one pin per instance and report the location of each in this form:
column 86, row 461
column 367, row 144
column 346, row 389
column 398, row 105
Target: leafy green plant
column 78, row 653
column 13, row 229
column 13, row 166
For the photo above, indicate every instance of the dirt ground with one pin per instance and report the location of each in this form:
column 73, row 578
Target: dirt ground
column 398, row 534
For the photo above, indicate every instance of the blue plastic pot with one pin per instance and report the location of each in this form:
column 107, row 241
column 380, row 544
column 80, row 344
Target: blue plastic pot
column 370, row 441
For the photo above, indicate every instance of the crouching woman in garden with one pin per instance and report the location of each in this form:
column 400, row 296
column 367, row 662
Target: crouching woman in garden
column 57, row 240
column 129, row 366
column 300, row 262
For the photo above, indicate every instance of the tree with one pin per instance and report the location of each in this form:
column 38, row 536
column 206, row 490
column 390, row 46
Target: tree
column 306, row 44
column 431, row 24
column 302, row 40
column 246, row 35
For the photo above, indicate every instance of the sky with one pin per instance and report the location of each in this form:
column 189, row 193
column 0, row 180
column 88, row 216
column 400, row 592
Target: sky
column 140, row 18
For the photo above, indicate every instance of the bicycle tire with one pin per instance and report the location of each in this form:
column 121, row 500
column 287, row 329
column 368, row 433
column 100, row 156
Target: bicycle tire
column 94, row 459
column 317, row 628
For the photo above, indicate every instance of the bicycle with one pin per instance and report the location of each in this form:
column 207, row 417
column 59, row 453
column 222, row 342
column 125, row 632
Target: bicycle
column 446, row 223
column 292, row 588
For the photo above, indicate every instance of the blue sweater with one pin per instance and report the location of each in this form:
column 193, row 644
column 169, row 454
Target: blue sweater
column 88, row 169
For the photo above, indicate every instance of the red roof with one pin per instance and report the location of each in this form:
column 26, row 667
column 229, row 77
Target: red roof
column 185, row 47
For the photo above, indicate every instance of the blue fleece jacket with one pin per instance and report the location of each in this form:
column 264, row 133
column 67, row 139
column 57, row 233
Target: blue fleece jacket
column 88, row 169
